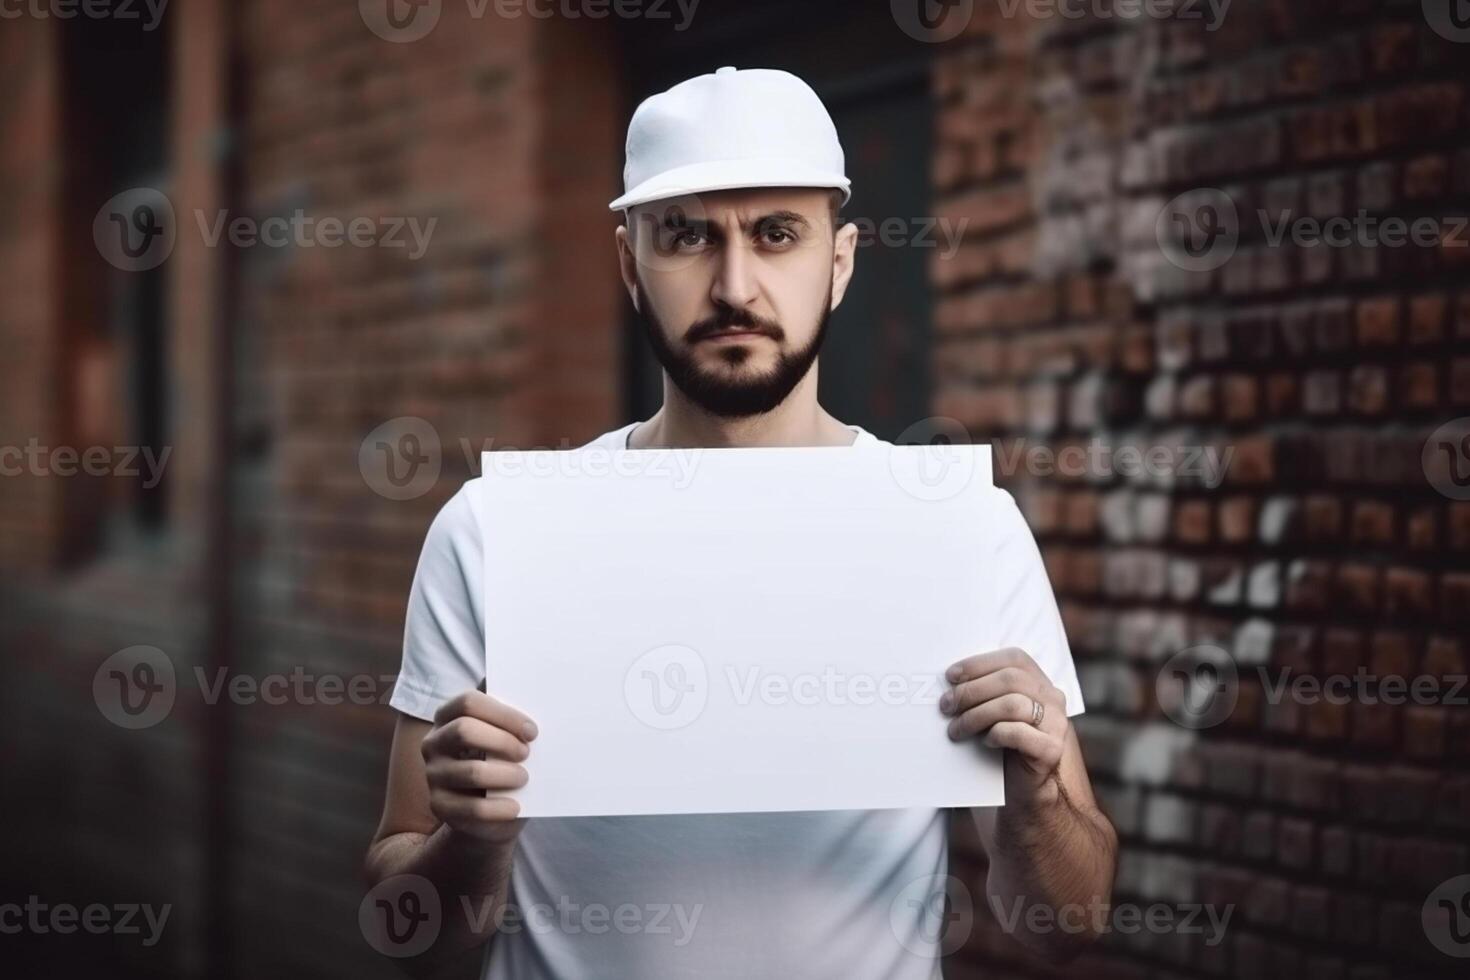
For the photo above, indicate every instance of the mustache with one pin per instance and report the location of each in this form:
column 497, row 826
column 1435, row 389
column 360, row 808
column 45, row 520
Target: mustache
column 732, row 319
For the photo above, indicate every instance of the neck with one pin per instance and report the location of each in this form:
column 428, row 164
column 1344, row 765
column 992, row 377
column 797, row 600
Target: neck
column 797, row 421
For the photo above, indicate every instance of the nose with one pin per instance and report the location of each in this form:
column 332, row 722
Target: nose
column 734, row 284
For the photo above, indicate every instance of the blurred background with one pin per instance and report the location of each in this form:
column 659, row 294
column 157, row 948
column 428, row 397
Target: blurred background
column 223, row 436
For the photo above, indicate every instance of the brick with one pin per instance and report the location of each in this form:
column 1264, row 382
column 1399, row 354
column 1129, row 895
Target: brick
column 1358, row 586
column 1373, row 523
column 1368, row 390
column 1337, row 851
column 1423, row 529
column 1310, row 908
column 1428, row 315
column 1237, row 520
column 1418, row 386
column 1378, row 321
column 1408, row 592
column 1426, row 177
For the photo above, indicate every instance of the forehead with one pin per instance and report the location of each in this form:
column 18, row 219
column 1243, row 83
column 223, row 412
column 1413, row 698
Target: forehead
column 741, row 206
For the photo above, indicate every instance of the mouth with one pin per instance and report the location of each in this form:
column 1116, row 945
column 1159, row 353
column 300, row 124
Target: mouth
column 731, row 336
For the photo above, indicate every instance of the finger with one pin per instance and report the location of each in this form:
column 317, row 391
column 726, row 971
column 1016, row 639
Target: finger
column 466, row 737
column 981, row 664
column 477, row 775
column 1008, row 707
column 1041, row 751
column 477, row 704
column 1007, row 680
column 464, row 812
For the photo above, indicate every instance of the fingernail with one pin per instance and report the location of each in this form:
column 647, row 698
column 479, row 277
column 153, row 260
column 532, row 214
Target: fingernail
column 953, row 674
column 530, row 730
column 946, row 701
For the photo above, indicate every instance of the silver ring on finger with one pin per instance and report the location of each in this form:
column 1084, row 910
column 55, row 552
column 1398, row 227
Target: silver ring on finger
column 1038, row 712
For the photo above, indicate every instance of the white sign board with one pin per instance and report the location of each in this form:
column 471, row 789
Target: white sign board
column 729, row 630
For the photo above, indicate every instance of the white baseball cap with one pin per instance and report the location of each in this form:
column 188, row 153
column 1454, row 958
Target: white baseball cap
column 759, row 127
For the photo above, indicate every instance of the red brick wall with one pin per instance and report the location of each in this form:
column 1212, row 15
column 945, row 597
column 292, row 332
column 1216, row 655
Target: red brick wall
column 1323, row 370
column 507, row 328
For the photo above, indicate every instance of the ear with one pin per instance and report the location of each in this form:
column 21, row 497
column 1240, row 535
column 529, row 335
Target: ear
column 627, row 263
column 844, row 254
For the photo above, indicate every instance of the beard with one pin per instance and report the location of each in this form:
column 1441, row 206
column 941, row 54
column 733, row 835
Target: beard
column 730, row 395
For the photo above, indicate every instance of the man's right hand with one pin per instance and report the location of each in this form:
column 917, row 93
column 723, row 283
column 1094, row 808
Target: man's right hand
column 471, row 756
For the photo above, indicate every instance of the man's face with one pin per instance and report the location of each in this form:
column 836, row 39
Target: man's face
column 734, row 289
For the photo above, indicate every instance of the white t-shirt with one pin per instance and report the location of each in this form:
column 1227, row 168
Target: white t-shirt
column 839, row 894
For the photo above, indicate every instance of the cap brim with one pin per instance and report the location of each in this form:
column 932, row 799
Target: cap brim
column 724, row 175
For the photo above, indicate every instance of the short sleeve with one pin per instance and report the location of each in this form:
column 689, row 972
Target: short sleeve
column 1026, row 608
column 444, row 632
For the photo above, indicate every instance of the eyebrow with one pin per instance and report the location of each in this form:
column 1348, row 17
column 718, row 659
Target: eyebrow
column 705, row 227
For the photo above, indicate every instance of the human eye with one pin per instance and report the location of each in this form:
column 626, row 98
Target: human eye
column 777, row 235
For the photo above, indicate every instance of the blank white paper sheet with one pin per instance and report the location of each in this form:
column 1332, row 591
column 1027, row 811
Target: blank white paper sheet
column 738, row 630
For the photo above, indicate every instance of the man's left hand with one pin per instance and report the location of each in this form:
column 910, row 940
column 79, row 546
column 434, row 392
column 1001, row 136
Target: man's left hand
column 1004, row 696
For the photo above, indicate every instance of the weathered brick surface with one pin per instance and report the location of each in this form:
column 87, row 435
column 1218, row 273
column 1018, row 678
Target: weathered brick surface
column 1323, row 369
column 507, row 132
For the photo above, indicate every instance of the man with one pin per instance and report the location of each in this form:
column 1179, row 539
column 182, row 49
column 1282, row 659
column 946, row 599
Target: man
column 733, row 257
